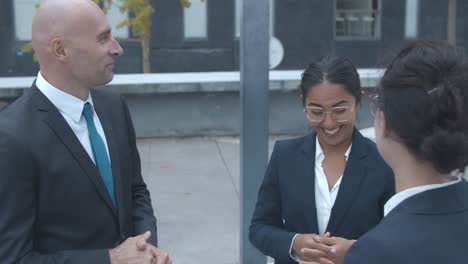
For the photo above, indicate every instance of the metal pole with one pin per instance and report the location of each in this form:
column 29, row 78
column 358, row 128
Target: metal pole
column 452, row 22
column 254, row 101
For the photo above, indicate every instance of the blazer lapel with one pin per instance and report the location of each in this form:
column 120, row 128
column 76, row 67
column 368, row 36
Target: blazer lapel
column 354, row 174
column 59, row 126
column 307, row 186
column 105, row 117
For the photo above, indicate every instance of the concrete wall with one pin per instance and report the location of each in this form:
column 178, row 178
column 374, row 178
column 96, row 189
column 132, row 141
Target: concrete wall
column 203, row 104
column 216, row 113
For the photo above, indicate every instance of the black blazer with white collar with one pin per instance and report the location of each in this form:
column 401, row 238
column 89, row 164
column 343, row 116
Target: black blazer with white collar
column 286, row 199
column 427, row 228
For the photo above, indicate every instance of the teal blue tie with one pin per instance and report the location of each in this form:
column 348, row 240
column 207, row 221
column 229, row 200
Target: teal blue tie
column 99, row 151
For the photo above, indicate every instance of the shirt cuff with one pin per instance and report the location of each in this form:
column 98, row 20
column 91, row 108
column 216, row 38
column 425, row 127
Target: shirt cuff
column 293, row 256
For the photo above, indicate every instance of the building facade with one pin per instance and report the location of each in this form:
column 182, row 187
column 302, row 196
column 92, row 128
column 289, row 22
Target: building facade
column 205, row 37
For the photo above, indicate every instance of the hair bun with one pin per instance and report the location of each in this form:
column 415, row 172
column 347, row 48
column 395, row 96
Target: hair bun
column 446, row 150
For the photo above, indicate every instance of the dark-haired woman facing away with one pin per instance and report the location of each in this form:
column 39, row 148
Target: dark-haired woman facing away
column 422, row 132
column 332, row 181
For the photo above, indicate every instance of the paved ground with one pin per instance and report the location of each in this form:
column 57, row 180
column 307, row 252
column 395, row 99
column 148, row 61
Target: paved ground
column 194, row 184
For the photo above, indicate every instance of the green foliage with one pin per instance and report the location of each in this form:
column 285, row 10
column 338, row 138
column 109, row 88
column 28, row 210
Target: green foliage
column 104, row 4
column 186, row 3
column 26, row 48
column 140, row 23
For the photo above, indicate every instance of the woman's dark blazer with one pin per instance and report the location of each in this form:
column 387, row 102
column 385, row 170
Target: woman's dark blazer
column 286, row 199
column 428, row 228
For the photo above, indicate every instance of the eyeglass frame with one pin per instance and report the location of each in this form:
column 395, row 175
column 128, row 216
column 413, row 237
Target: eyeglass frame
column 374, row 104
column 351, row 110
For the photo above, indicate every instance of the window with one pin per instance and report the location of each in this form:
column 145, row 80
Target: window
column 195, row 20
column 24, row 11
column 238, row 13
column 411, row 18
column 357, row 18
column 115, row 17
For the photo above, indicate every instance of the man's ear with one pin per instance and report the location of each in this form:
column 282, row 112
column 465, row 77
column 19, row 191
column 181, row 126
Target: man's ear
column 58, row 49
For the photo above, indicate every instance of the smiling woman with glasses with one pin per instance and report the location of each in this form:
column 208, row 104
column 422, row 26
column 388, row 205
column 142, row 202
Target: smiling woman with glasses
column 322, row 191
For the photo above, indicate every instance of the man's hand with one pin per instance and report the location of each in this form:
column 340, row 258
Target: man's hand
column 160, row 256
column 129, row 253
column 341, row 245
column 309, row 248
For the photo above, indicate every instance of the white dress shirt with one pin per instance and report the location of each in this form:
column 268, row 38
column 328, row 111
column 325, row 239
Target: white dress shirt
column 324, row 197
column 71, row 108
column 403, row 195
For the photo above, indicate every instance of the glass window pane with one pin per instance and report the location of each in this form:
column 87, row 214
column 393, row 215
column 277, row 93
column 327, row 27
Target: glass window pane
column 237, row 16
column 195, row 20
column 115, row 17
column 411, row 18
column 357, row 18
column 24, row 11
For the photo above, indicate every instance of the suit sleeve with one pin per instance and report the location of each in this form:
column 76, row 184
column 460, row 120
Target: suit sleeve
column 18, row 212
column 142, row 210
column 266, row 231
column 367, row 250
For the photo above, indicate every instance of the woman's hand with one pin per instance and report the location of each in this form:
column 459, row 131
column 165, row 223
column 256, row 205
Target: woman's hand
column 309, row 249
column 341, row 246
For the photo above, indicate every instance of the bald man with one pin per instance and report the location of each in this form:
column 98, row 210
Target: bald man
column 71, row 189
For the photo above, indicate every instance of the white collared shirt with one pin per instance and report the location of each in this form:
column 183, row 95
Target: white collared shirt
column 324, row 197
column 71, row 108
column 403, row 195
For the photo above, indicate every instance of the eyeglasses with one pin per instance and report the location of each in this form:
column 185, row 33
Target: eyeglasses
column 374, row 104
column 339, row 114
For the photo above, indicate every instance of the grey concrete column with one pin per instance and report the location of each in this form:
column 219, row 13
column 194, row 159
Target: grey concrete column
column 254, row 101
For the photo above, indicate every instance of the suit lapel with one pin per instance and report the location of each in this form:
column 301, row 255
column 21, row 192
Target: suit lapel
column 354, row 174
column 106, row 121
column 307, row 186
column 59, row 126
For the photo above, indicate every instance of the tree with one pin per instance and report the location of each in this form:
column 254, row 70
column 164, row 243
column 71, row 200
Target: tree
column 139, row 21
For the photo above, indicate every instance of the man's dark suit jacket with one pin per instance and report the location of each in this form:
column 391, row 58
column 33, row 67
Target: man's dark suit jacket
column 428, row 228
column 54, row 207
column 286, row 199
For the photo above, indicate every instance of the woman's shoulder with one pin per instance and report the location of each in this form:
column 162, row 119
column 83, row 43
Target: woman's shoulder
column 373, row 159
column 371, row 248
column 368, row 146
column 379, row 244
column 297, row 143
